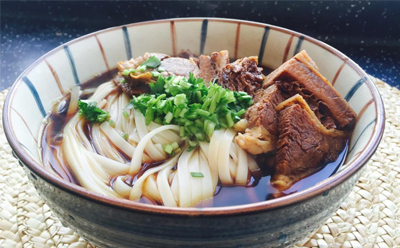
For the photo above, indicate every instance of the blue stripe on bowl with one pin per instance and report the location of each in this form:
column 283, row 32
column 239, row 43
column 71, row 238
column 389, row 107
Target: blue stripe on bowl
column 298, row 45
column 262, row 47
column 72, row 63
column 359, row 136
column 355, row 87
column 127, row 42
column 35, row 94
column 203, row 35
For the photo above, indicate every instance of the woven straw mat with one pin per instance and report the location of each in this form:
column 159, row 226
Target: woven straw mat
column 370, row 217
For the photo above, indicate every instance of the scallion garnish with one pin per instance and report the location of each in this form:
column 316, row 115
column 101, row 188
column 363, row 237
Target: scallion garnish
column 196, row 174
column 189, row 103
column 155, row 74
column 125, row 72
column 112, row 123
column 141, row 68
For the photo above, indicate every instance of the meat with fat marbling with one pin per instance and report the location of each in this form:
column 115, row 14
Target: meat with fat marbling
column 262, row 122
column 242, row 75
column 304, row 144
column 301, row 76
column 210, row 66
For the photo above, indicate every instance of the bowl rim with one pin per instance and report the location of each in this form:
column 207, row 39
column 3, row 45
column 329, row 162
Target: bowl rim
column 324, row 186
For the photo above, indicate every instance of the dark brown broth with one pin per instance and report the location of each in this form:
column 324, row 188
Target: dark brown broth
column 258, row 188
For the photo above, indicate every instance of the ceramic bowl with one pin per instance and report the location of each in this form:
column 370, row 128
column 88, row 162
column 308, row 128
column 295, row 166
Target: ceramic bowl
column 110, row 222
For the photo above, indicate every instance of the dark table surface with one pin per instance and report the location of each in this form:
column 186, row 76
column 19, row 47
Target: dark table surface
column 366, row 31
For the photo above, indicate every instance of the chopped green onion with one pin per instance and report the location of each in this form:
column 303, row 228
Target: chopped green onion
column 149, row 116
column 141, row 68
column 125, row 72
column 161, row 69
column 125, row 113
column 198, row 109
column 168, row 117
column 175, row 145
column 168, row 148
column 112, row 123
column 193, row 143
column 123, row 81
column 196, row 174
column 158, row 120
column 209, row 127
column 182, row 113
column 125, row 136
column 155, row 74
column 180, row 99
column 203, row 112
column 229, row 119
column 240, row 112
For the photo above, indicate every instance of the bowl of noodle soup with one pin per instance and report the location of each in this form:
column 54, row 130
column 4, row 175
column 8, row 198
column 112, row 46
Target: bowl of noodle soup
column 98, row 198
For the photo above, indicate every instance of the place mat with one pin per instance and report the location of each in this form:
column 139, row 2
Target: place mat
column 370, row 217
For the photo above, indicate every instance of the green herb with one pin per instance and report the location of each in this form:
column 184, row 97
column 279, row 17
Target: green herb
column 158, row 87
column 112, row 123
column 125, row 72
column 155, row 74
column 125, row 136
column 125, row 113
column 151, row 62
column 175, row 145
column 141, row 68
column 161, row 69
column 171, row 149
column 189, row 103
column 168, row 148
column 89, row 109
column 196, row 174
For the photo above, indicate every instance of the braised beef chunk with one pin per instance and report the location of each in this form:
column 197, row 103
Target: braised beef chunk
column 136, row 84
column 187, row 54
column 242, row 75
column 263, row 112
column 207, row 70
column 220, row 59
column 300, row 75
column 319, row 107
column 304, row 144
column 210, row 66
column 261, row 131
column 179, row 66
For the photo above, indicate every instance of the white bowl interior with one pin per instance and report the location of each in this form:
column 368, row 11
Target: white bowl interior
column 82, row 59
